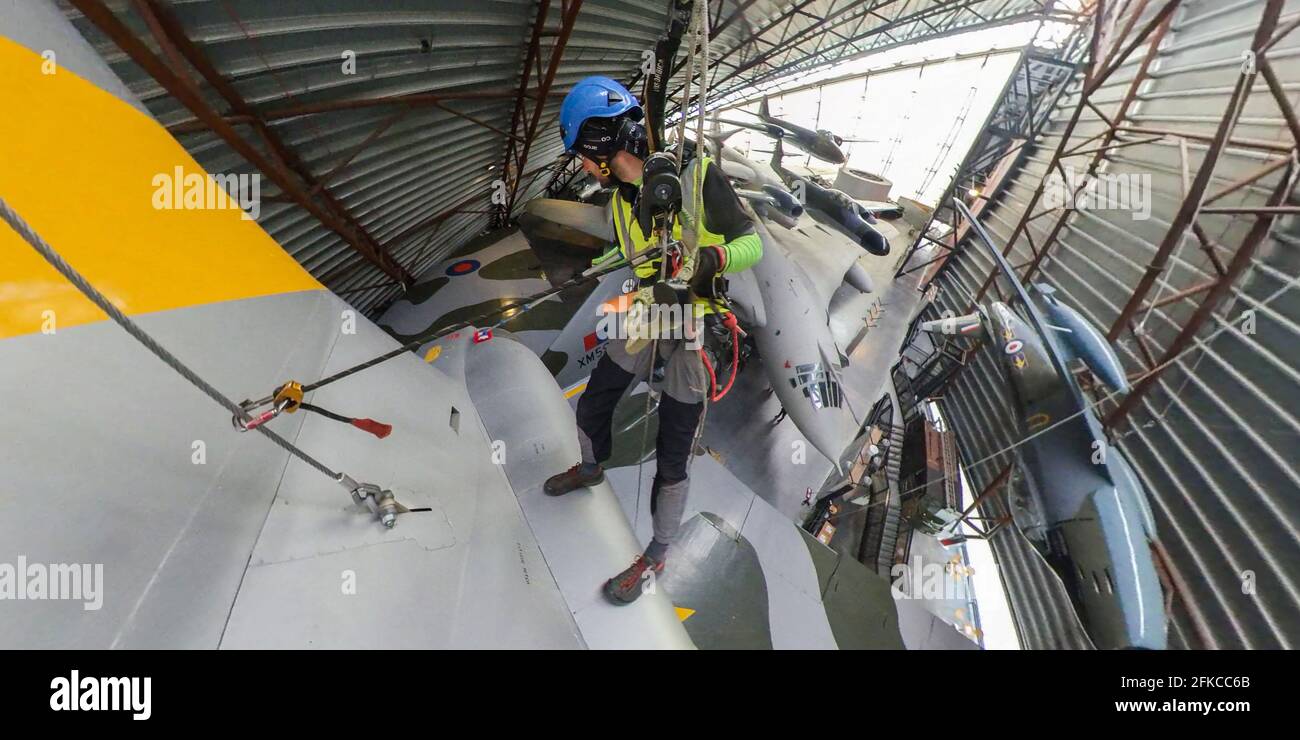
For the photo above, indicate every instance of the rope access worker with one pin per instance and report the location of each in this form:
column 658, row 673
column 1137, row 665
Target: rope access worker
column 600, row 120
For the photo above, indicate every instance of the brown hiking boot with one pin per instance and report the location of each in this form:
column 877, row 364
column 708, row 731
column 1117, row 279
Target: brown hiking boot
column 628, row 586
column 573, row 479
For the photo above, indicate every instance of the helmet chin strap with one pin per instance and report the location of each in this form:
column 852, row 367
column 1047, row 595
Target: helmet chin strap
column 602, row 142
column 607, row 171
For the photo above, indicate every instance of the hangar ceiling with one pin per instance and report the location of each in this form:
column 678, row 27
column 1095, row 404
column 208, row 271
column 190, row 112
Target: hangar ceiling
column 374, row 173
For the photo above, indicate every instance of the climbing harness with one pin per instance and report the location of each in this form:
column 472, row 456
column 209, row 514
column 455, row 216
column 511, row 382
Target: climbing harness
column 730, row 323
column 699, row 31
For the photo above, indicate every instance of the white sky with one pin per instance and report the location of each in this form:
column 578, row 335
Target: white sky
column 994, row 610
column 924, row 118
column 994, row 619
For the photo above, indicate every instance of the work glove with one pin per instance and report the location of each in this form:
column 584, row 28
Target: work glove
column 709, row 262
column 659, row 312
column 642, row 320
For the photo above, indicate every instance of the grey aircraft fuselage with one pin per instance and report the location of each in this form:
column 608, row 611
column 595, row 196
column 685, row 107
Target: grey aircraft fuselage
column 1086, row 512
column 799, row 355
column 796, row 278
column 842, row 211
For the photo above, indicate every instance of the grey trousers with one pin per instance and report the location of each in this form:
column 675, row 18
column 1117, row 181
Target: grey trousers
column 685, row 378
column 685, row 386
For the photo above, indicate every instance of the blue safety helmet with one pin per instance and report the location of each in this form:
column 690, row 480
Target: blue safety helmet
column 595, row 97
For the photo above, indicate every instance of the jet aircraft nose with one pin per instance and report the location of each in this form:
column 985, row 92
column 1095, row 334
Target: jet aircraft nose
column 832, row 154
column 821, row 411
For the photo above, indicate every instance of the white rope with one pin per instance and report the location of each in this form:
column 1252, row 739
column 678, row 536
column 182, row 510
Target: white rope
column 699, row 24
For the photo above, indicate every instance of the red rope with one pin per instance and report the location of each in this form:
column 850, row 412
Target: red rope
column 729, row 321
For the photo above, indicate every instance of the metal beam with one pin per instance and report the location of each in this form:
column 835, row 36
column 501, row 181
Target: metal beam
column 1097, row 74
column 1187, row 218
column 805, row 60
column 1187, row 336
column 346, row 160
column 342, row 164
column 174, row 33
column 787, row 16
column 568, row 16
column 996, row 152
column 517, row 117
column 459, row 207
column 755, row 36
column 98, row 14
column 1157, row 35
column 1193, row 199
column 788, row 41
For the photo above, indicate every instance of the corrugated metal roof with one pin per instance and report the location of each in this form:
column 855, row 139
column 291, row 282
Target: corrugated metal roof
column 1214, row 441
column 394, row 167
column 418, row 177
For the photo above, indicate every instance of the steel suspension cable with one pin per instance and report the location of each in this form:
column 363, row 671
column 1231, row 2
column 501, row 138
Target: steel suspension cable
column 51, row 256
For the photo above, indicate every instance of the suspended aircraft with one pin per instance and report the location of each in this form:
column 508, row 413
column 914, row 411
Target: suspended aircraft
column 845, row 213
column 1085, row 510
column 822, row 144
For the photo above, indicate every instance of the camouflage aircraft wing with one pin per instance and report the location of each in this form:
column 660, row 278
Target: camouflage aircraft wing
column 824, row 254
column 750, row 578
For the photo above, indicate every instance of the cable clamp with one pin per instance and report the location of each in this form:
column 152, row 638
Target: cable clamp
column 380, row 501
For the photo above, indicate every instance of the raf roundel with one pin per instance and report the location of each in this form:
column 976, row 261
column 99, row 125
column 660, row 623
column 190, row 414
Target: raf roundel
column 462, row 267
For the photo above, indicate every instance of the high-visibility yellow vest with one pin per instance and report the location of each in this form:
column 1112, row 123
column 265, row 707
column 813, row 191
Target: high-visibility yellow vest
column 631, row 240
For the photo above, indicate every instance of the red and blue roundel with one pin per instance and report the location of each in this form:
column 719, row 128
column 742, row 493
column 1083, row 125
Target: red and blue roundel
column 462, row 267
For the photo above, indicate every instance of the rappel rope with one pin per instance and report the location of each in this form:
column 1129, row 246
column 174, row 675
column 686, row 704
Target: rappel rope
column 702, row 32
column 686, row 89
column 704, row 78
column 524, row 304
column 699, row 30
column 663, row 271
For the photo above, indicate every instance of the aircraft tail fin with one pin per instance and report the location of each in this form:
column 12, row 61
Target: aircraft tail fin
column 763, row 109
